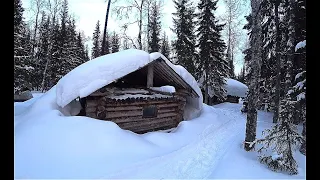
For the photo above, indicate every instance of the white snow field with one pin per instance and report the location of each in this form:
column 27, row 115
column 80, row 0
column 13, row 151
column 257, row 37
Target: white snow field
column 51, row 145
column 50, row 142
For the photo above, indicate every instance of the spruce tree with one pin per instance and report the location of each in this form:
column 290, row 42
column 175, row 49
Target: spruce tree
column 108, row 45
column 154, row 28
column 95, row 52
column 165, row 47
column 23, row 65
column 184, row 28
column 115, row 43
column 212, row 64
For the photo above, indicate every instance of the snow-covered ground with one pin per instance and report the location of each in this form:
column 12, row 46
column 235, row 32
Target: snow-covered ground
column 51, row 144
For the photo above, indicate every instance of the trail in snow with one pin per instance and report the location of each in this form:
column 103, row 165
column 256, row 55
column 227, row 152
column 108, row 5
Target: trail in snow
column 195, row 160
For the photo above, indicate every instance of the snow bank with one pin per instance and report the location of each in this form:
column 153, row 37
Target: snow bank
column 194, row 105
column 236, row 88
column 300, row 45
column 51, row 145
column 96, row 73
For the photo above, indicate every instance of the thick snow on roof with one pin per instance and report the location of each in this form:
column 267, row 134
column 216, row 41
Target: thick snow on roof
column 99, row 72
column 236, row 88
column 233, row 87
column 96, row 73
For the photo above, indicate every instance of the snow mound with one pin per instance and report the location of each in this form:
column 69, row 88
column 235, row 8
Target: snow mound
column 96, row 73
column 300, row 45
column 236, row 88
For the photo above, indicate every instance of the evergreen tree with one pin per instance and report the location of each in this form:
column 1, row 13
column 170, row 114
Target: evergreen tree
column 184, row 28
column 154, row 28
column 254, row 71
column 212, row 64
column 165, row 47
column 115, row 43
column 107, row 45
column 81, row 53
column 23, row 67
column 43, row 49
column 95, row 52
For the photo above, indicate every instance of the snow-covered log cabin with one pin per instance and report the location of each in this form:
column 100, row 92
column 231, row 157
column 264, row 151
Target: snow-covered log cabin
column 235, row 91
column 151, row 96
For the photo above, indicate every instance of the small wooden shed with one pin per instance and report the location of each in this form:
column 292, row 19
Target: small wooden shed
column 135, row 104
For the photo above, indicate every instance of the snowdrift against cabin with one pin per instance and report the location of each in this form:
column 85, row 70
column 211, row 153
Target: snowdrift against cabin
column 97, row 73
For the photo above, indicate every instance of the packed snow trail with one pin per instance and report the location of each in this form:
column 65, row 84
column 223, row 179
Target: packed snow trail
column 195, row 160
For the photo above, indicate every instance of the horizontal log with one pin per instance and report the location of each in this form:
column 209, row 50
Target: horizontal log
column 140, row 118
column 91, row 103
column 101, row 108
column 160, row 121
column 91, row 109
column 117, row 104
column 153, row 127
column 123, row 114
column 128, row 108
column 136, row 114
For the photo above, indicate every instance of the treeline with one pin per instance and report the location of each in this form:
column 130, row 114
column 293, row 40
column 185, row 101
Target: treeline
column 276, row 73
column 48, row 48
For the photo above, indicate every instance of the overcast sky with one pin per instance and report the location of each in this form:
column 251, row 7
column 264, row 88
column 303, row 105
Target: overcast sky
column 88, row 12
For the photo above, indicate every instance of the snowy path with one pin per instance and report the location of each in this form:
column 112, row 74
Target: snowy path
column 195, row 160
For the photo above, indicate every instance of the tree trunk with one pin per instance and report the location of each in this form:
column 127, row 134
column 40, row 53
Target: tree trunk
column 255, row 43
column 140, row 26
column 277, row 98
column 105, row 30
column 303, row 146
column 44, row 75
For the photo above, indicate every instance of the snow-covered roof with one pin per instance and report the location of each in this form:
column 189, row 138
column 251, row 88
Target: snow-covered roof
column 233, row 88
column 99, row 72
column 236, row 88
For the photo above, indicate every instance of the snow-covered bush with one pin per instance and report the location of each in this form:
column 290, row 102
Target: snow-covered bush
column 282, row 139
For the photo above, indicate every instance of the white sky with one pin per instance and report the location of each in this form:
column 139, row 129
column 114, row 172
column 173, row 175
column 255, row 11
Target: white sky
column 88, row 12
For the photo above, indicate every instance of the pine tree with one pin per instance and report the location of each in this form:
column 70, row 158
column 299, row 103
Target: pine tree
column 23, row 67
column 108, row 45
column 212, row 65
column 165, row 47
column 42, row 53
column 81, row 53
column 154, row 28
column 95, row 52
column 115, row 43
column 184, row 28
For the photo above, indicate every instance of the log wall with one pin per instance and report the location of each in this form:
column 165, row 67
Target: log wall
column 128, row 113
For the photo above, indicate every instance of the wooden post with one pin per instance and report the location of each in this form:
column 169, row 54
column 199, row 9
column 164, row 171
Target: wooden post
column 150, row 76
